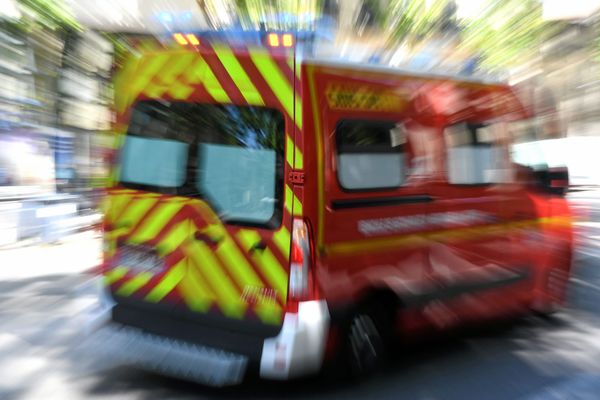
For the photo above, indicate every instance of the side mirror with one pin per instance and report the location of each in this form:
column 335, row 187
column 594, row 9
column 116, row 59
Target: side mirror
column 553, row 180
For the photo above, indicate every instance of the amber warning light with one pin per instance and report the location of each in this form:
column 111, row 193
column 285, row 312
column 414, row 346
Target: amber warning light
column 186, row 39
column 280, row 40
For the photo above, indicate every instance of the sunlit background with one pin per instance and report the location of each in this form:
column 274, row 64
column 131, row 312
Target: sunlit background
column 58, row 57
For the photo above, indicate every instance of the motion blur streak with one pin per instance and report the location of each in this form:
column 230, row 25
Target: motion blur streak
column 270, row 66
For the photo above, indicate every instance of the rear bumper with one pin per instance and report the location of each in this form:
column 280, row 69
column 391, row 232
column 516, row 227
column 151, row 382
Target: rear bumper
column 300, row 346
column 297, row 349
column 131, row 346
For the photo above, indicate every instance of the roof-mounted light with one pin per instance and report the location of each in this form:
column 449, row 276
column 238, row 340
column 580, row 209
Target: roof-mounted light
column 179, row 38
column 273, row 40
column 280, row 40
column 186, row 39
column 287, row 40
column 192, row 39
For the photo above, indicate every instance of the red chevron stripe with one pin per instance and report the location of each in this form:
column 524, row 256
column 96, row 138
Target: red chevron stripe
column 223, row 76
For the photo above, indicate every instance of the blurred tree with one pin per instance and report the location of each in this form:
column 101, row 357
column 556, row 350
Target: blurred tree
column 52, row 14
column 507, row 32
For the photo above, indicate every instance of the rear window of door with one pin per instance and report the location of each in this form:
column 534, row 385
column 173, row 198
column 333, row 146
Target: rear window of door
column 230, row 156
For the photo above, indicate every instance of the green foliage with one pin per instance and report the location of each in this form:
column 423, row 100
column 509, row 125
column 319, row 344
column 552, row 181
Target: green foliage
column 53, row 14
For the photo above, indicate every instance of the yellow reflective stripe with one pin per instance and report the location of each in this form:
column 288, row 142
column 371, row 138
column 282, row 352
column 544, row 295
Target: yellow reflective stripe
column 114, row 275
column 122, row 79
column 298, row 112
column 299, row 163
column 175, row 67
column 282, row 240
column 194, row 292
column 422, row 238
column 167, row 76
column 277, row 82
column 134, row 212
column 289, row 150
column 297, row 206
column 237, row 264
column 144, row 76
column 174, row 238
column 320, row 170
column 227, row 296
column 289, row 198
column 153, row 224
column 115, row 204
column 239, row 76
column 201, row 73
column 167, row 283
column 271, row 268
column 135, row 283
column 180, row 91
column 269, row 313
column 293, row 154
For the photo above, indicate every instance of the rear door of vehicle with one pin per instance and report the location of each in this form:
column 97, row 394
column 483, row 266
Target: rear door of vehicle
column 200, row 217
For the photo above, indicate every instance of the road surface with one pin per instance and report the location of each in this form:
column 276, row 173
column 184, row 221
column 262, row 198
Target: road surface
column 45, row 291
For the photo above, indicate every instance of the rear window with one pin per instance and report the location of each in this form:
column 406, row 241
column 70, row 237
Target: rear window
column 370, row 154
column 230, row 156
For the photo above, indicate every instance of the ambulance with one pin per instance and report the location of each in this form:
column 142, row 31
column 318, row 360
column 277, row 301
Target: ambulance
column 268, row 214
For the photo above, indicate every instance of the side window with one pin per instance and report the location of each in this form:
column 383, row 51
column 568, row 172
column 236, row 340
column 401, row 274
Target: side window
column 475, row 154
column 370, row 154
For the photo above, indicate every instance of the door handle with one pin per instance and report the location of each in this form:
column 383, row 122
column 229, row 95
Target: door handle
column 260, row 245
column 203, row 237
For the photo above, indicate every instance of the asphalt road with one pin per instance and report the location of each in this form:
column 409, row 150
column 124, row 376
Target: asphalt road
column 43, row 307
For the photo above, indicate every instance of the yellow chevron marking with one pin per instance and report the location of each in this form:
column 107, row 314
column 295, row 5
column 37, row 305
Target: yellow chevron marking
column 282, row 240
column 239, row 75
column 148, row 68
column 277, row 81
column 176, row 236
column 154, row 223
column 289, row 198
column 180, row 91
column 228, row 297
column 167, row 283
column 237, row 264
column 114, row 275
column 134, row 212
column 115, row 204
column 122, row 80
column 297, row 206
column 289, row 150
column 271, row 268
column 196, row 294
column 201, row 73
column 269, row 313
column 134, row 284
column 299, row 162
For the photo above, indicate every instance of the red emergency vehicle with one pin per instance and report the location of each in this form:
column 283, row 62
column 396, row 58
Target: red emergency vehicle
column 267, row 213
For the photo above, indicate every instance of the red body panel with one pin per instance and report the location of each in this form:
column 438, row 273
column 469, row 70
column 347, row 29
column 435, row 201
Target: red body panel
column 495, row 259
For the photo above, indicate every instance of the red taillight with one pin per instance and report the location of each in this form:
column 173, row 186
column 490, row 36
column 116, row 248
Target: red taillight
column 300, row 263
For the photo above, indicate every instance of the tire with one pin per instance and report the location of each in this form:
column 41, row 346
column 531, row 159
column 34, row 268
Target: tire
column 365, row 344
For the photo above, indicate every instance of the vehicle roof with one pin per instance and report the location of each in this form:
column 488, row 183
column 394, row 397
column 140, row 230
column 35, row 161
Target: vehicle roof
column 405, row 72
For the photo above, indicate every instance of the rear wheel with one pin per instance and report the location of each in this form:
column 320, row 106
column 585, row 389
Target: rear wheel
column 365, row 344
